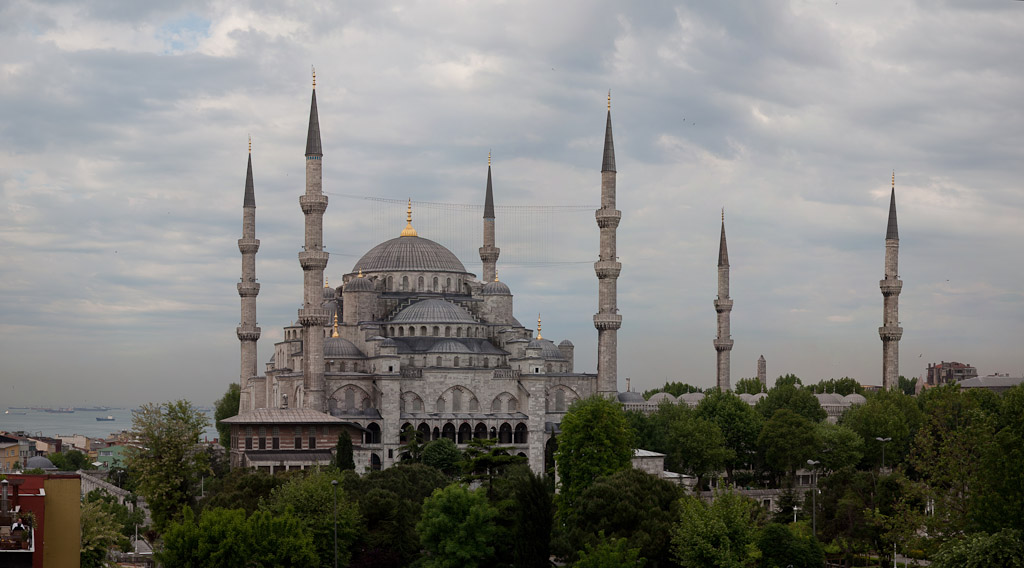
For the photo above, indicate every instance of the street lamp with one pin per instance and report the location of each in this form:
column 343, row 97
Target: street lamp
column 814, row 496
column 334, row 482
column 883, row 441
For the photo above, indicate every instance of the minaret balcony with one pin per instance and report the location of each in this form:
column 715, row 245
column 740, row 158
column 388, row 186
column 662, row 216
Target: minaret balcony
column 313, row 259
column 607, row 269
column 607, row 321
column 247, row 333
column 723, row 344
column 248, row 289
column 248, row 246
column 890, row 333
column 723, row 305
column 890, row 287
column 313, row 203
column 312, row 316
column 489, row 254
column 608, row 218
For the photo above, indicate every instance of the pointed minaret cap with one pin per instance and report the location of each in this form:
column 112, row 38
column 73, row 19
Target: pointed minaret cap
column 335, row 332
column 250, row 193
column 313, row 147
column 723, row 250
column 538, row 327
column 408, row 231
column 892, row 231
column 489, row 198
column 608, row 165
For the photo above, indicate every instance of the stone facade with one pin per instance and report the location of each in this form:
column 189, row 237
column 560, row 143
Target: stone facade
column 891, row 332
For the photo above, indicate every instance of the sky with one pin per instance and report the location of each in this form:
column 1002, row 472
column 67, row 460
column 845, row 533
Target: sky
column 124, row 129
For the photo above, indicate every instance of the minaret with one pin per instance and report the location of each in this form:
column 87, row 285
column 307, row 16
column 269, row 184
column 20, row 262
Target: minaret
column 489, row 253
column 723, row 305
column 607, row 319
column 313, row 260
column 248, row 287
column 762, row 371
column 891, row 332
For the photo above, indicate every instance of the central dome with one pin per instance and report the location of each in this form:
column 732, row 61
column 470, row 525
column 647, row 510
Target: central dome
column 409, row 254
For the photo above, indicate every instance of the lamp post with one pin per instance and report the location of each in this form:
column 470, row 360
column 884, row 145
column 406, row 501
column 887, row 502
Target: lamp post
column 814, row 496
column 883, row 441
column 334, row 482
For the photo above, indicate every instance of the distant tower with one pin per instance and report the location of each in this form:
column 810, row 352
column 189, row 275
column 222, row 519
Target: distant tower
column 313, row 260
column 762, row 371
column 891, row 332
column 248, row 288
column 607, row 320
column 489, row 253
column 723, row 305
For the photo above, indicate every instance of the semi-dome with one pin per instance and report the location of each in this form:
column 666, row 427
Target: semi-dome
column 496, row 288
column 39, row 462
column 565, row 343
column 854, row 398
column 449, row 346
column 658, row 397
column 631, row 397
column 340, row 347
column 359, row 284
column 409, row 254
column 433, row 311
column 547, row 349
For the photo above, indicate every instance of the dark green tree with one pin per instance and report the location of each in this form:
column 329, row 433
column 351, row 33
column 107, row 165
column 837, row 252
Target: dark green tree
column 444, row 455
column 674, row 388
column 99, row 532
column 70, row 460
column 595, row 441
column 885, row 414
column 979, row 550
column 721, row 533
column 840, row 447
column 782, row 546
column 1001, row 492
column 532, row 513
column 696, row 446
column 125, row 518
column 749, row 386
column 239, row 489
column 788, row 440
column 457, row 528
column 412, row 445
column 609, row 553
column 907, row 386
column 226, row 407
column 226, row 538
column 799, row 400
column 343, row 459
column 484, row 459
column 738, row 422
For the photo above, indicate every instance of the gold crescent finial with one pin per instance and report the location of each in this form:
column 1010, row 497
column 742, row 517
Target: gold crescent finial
column 538, row 327
column 360, row 273
column 408, row 231
column 894, row 179
column 335, row 332
column 250, row 143
column 723, row 214
column 327, row 282
column 314, row 76
column 488, row 158
column 495, row 274
column 609, row 99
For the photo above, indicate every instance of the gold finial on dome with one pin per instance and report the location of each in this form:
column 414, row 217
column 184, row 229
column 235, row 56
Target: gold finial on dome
column 894, row 179
column 335, row 332
column 314, row 76
column 250, row 143
column 723, row 214
column 408, row 231
column 488, row 158
column 327, row 282
column 538, row 327
column 360, row 273
column 495, row 274
column 609, row 100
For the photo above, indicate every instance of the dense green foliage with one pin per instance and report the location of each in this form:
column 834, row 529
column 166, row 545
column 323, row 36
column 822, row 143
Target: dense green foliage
column 343, row 454
column 457, row 528
column 595, row 441
column 1004, row 549
column 749, row 386
column 226, row 407
column 444, row 455
column 674, row 388
column 227, row 538
column 100, row 531
column 609, row 553
column 721, row 533
column 70, row 460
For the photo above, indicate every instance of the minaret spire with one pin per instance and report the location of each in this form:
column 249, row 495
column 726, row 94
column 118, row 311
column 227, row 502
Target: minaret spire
column 489, row 253
column 723, row 305
column 248, row 288
column 607, row 319
column 891, row 285
column 313, row 259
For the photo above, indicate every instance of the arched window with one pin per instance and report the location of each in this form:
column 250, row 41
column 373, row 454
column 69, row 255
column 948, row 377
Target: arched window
column 513, row 405
column 440, row 404
column 423, row 330
column 276, row 441
column 549, row 367
column 559, row 400
column 458, row 332
column 447, row 331
column 392, row 331
column 469, row 361
column 487, row 362
column 424, row 431
column 375, row 464
column 448, row 285
column 435, row 283
column 496, row 405
column 372, row 433
column 405, row 283
column 419, row 284
column 437, row 330
column 481, row 431
column 437, row 434
column 448, row 431
column 391, row 283
column 465, row 433
column 417, row 405
column 401, row 331
column 457, row 396
column 505, row 434
column 439, row 361
column 403, row 436
column 520, row 434
column 412, row 331
column 474, row 405
column 350, row 400
column 456, row 360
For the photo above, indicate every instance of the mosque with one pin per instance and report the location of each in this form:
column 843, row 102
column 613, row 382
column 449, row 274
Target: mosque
column 411, row 341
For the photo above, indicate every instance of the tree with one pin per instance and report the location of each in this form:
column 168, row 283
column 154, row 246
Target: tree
column 738, row 422
column 124, row 518
column 842, row 387
column 696, row 446
column 532, row 511
column 444, row 455
column 788, row 440
column 226, row 407
column 1001, row 492
column 311, row 498
column 226, row 538
column 840, row 447
column 719, row 534
column 1004, row 548
column 484, row 459
column 343, row 458
column 628, row 504
column 783, row 546
column 99, row 533
column 907, row 386
column 239, row 489
column 412, row 448
column 788, row 380
column 457, row 528
column 168, row 461
column 749, row 386
column 885, row 414
column 595, row 441
column 70, row 460
column 786, row 395
column 674, row 388
column 609, row 553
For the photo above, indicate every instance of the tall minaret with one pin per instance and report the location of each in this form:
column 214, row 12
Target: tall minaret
column 891, row 332
column 489, row 253
column 248, row 287
column 313, row 260
column 607, row 319
column 762, row 371
column 723, row 305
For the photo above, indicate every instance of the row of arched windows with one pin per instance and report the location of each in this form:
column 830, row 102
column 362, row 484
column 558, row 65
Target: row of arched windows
column 505, row 434
column 421, row 285
column 456, row 361
column 434, row 331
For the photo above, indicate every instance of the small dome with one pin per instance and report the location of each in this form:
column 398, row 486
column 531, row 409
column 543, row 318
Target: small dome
column 657, row 397
column 547, row 349
column 340, row 347
column 691, row 397
column 566, row 343
column 39, row 462
column 828, row 398
column 328, row 293
column 496, row 288
column 449, row 346
column 631, row 397
column 388, row 342
column 409, row 254
column 358, row 284
column 433, row 311
column 854, row 398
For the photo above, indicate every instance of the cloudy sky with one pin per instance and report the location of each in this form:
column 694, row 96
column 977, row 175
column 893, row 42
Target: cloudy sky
column 124, row 125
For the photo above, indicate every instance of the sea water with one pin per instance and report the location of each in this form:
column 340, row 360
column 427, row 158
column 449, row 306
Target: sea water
column 53, row 424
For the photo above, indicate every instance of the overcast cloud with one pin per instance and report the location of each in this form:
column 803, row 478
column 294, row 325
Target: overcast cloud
column 123, row 132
